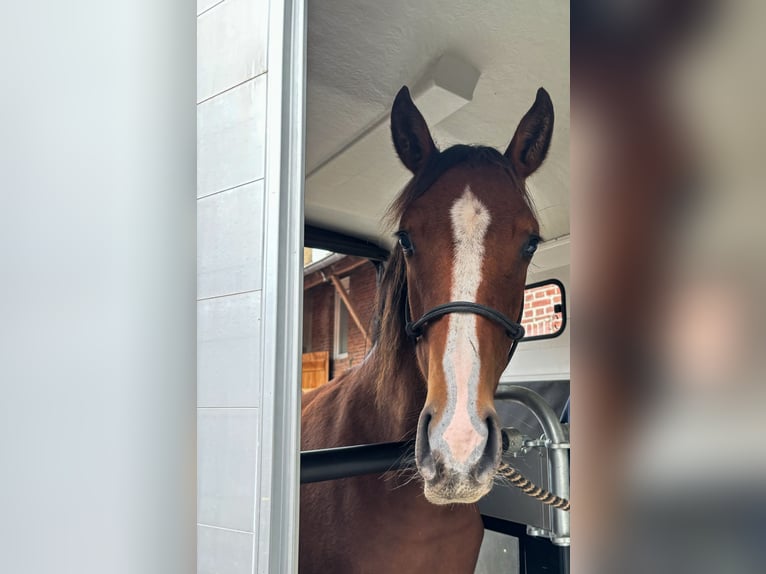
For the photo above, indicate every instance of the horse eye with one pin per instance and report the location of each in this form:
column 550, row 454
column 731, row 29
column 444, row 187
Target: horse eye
column 531, row 247
column 406, row 243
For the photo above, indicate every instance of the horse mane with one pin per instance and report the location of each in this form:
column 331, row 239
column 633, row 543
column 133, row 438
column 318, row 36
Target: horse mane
column 390, row 339
column 391, row 342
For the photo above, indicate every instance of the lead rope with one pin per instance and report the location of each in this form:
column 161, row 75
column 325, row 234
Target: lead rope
column 531, row 489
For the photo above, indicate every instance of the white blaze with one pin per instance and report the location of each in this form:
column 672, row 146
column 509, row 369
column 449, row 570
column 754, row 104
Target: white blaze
column 460, row 429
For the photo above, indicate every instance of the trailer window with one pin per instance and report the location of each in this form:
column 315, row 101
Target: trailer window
column 544, row 314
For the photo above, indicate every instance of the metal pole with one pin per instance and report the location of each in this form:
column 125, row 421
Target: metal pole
column 343, row 462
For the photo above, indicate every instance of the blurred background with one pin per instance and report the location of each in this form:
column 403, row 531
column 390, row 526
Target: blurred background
column 667, row 145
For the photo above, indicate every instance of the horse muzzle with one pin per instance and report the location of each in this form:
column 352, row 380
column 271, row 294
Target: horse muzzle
column 457, row 465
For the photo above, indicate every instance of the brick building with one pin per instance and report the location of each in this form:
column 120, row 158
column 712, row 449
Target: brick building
column 328, row 324
column 542, row 310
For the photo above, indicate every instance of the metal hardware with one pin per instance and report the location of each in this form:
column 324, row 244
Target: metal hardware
column 558, row 456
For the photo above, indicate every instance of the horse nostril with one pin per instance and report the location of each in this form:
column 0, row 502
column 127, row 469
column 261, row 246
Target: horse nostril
column 490, row 458
column 423, row 455
column 494, row 438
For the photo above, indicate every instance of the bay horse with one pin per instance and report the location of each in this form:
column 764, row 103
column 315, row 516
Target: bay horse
column 466, row 232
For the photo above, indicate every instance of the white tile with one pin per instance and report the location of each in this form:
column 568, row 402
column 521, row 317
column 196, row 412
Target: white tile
column 229, row 351
column 227, row 448
column 231, row 45
column 229, row 241
column 203, row 5
column 231, row 138
column 223, row 551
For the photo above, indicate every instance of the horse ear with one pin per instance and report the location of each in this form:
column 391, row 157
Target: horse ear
column 530, row 143
column 409, row 131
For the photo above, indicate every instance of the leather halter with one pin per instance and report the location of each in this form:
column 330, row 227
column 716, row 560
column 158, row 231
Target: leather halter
column 415, row 329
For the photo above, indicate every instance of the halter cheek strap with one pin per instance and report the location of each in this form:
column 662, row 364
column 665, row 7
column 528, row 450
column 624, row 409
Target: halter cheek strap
column 415, row 329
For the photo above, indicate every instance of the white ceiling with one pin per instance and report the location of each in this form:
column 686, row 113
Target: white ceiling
column 360, row 52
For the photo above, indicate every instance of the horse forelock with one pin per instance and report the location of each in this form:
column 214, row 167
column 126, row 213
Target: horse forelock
column 439, row 164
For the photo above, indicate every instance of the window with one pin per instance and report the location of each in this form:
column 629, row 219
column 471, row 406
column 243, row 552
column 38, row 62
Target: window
column 340, row 338
column 308, row 317
column 544, row 315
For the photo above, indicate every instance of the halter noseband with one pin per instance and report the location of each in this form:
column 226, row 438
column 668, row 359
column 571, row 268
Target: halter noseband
column 415, row 329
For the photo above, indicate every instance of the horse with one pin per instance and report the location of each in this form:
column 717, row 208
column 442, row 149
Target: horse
column 466, row 233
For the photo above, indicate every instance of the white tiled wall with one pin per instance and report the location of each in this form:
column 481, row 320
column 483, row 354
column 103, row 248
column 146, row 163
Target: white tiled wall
column 231, row 135
column 229, row 241
column 228, row 351
column 221, row 551
column 204, row 5
column 227, row 444
column 230, row 45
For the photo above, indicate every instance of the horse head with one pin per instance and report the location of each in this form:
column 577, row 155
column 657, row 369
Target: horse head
column 467, row 233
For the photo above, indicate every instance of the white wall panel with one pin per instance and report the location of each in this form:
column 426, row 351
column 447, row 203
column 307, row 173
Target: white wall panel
column 227, row 446
column 230, row 241
column 231, row 136
column 229, row 351
column 221, row 551
column 231, row 45
column 204, row 5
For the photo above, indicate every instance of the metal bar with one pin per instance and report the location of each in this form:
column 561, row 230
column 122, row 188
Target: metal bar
column 559, row 458
column 351, row 310
column 347, row 461
column 340, row 243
